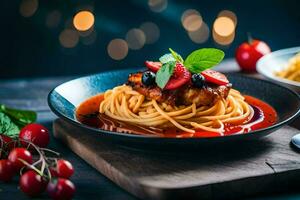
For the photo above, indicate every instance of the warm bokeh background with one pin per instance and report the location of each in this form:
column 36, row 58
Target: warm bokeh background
column 51, row 38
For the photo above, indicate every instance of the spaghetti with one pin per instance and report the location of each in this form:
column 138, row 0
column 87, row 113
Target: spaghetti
column 124, row 104
column 292, row 71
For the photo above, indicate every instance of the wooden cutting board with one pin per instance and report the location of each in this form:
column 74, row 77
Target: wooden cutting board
column 251, row 168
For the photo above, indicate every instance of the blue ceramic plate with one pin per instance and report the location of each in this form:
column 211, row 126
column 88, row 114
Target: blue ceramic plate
column 66, row 97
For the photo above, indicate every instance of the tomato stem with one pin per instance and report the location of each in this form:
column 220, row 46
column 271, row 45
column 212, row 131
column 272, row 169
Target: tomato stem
column 51, row 151
column 250, row 39
column 43, row 161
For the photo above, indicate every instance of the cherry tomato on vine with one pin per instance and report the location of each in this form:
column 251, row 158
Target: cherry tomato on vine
column 5, row 139
column 19, row 153
column 6, row 170
column 8, row 144
column 53, row 172
column 32, row 183
column 35, row 133
column 61, row 189
column 248, row 53
column 64, row 169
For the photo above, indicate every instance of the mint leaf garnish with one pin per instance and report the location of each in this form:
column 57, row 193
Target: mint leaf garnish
column 12, row 120
column 19, row 117
column 8, row 127
column 167, row 58
column 176, row 55
column 164, row 73
column 203, row 59
column 173, row 56
column 196, row 62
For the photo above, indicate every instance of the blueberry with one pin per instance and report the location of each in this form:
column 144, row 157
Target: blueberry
column 148, row 78
column 198, row 80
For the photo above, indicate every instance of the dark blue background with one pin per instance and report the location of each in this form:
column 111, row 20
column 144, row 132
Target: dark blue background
column 30, row 49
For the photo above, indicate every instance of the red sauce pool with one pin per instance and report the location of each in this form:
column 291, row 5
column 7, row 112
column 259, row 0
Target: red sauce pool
column 87, row 113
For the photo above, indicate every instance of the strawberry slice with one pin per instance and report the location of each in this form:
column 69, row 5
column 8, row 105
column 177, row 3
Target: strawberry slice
column 153, row 66
column 213, row 76
column 180, row 77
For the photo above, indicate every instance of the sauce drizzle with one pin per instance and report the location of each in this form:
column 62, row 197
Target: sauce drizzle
column 87, row 113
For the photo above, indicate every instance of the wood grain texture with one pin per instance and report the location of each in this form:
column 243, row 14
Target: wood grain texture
column 231, row 171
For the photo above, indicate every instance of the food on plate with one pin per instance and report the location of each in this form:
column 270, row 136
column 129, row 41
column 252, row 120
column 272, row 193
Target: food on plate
column 292, row 70
column 177, row 98
column 248, row 53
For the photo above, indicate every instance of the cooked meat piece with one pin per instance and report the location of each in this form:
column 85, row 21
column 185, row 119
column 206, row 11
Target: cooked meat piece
column 152, row 92
column 204, row 96
column 185, row 95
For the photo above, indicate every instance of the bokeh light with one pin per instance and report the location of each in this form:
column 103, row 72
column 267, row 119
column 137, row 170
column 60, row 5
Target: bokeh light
column 28, row 7
column 229, row 14
column 53, row 19
column 223, row 40
column 201, row 35
column 191, row 20
column 151, row 32
column 223, row 30
column 117, row 49
column 157, row 5
column 83, row 20
column 135, row 38
column 223, row 26
column 68, row 38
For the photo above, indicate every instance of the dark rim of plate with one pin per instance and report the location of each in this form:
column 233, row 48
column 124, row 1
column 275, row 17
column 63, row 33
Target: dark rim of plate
column 75, row 122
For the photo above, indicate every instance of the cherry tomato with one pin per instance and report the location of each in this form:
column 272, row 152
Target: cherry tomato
column 53, row 172
column 248, row 53
column 32, row 183
column 180, row 77
column 60, row 189
column 19, row 153
column 64, row 169
column 35, row 133
column 213, row 76
column 8, row 144
column 6, row 170
column 153, row 66
column 5, row 139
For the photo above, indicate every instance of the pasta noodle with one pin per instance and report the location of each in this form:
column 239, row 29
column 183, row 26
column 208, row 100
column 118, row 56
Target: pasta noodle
column 292, row 71
column 124, row 104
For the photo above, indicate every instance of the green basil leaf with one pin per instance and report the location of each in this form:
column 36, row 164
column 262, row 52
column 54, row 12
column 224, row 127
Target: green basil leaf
column 203, row 59
column 164, row 73
column 176, row 55
column 166, row 58
column 19, row 117
column 8, row 127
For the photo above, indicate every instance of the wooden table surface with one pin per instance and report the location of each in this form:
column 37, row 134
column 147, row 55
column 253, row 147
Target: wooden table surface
column 32, row 94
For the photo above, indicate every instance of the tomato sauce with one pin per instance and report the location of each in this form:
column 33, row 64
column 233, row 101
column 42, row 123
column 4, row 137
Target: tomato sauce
column 87, row 113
